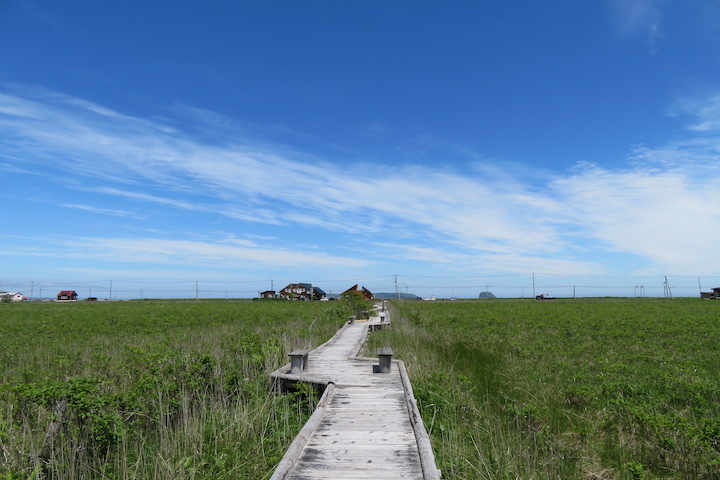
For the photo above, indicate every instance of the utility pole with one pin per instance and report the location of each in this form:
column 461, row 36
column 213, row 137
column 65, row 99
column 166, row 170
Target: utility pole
column 397, row 292
column 196, row 290
column 534, row 295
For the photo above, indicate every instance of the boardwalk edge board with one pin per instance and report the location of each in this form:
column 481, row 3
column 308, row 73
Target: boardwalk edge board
column 298, row 444
column 427, row 457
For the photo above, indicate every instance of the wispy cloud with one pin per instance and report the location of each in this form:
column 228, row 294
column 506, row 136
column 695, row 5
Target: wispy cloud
column 705, row 112
column 664, row 215
column 222, row 253
column 642, row 17
column 658, row 209
column 103, row 211
column 227, row 254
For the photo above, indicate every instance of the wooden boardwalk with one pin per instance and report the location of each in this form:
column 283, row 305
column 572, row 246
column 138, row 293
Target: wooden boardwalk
column 366, row 425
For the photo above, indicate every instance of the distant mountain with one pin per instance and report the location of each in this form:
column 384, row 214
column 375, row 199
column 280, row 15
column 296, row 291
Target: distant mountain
column 394, row 296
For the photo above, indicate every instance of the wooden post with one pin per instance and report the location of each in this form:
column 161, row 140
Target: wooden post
column 385, row 355
column 298, row 361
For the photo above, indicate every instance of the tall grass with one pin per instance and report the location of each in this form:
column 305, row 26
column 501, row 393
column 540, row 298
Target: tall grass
column 139, row 390
column 508, row 389
column 565, row 389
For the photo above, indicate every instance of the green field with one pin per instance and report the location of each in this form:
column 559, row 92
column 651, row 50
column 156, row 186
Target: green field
column 586, row 389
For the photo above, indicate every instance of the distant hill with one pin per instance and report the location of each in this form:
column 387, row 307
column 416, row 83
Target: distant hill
column 394, row 296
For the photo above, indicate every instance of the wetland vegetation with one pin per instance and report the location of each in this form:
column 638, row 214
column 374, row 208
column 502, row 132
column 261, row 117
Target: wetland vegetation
column 588, row 389
column 565, row 389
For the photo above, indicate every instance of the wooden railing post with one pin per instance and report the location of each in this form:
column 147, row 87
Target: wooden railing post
column 298, row 361
column 385, row 355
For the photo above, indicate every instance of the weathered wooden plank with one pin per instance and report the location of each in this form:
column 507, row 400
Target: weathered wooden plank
column 361, row 438
column 358, row 469
column 353, row 457
column 369, row 465
column 355, row 475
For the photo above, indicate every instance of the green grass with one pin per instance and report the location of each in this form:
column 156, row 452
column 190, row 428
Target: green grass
column 151, row 389
column 601, row 389
column 568, row 389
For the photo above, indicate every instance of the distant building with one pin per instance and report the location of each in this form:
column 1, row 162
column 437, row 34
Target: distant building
column 67, row 295
column 364, row 292
column 302, row 291
column 711, row 295
column 12, row 297
column 268, row 294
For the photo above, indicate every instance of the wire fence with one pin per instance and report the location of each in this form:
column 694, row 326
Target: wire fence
column 523, row 285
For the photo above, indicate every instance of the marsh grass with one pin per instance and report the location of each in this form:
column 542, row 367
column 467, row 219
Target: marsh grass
column 583, row 389
column 153, row 389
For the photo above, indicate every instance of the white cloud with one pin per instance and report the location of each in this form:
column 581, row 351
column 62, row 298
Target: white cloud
column 639, row 16
column 662, row 209
column 705, row 112
column 456, row 261
column 103, row 211
column 255, row 182
column 225, row 254
column 667, row 216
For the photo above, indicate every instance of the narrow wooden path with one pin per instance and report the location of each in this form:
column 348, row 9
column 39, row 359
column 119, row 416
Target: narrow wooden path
column 366, row 425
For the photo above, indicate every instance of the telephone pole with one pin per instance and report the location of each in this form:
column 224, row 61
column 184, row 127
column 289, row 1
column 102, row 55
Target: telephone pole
column 533, row 275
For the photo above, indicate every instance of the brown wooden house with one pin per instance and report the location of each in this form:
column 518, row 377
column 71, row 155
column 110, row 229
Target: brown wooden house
column 364, row 292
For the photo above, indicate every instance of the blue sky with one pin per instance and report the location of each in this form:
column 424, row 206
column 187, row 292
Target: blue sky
column 455, row 144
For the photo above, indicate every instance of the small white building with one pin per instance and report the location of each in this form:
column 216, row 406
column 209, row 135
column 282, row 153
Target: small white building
column 12, row 296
